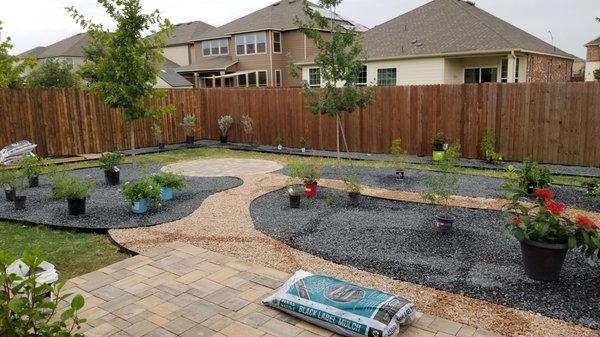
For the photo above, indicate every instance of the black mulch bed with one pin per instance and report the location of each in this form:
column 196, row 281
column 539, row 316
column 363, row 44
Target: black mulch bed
column 107, row 208
column 469, row 185
column 398, row 239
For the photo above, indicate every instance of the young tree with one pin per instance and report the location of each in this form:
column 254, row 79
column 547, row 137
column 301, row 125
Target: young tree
column 125, row 65
column 53, row 74
column 340, row 59
column 11, row 67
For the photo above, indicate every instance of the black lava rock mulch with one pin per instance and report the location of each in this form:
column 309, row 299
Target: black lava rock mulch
column 107, row 208
column 398, row 239
column 469, row 185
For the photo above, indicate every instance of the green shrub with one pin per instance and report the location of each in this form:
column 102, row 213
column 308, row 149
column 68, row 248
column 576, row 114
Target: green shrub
column 445, row 184
column 71, row 187
column 592, row 187
column 31, row 166
column 7, row 178
column 189, row 124
column 294, row 190
column 352, row 183
column 439, row 141
column 225, row 122
column 145, row 188
column 488, row 147
column 169, row 180
column 533, row 176
column 309, row 174
column 302, row 142
column 110, row 161
column 25, row 310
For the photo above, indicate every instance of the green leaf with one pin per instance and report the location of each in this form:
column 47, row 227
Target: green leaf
column 67, row 314
column 572, row 242
column 78, row 302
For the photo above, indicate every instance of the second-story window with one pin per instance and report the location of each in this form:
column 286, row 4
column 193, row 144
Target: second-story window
column 314, row 77
column 251, row 43
column 215, row 47
column 277, row 42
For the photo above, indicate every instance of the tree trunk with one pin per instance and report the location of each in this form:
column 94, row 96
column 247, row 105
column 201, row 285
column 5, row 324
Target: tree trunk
column 132, row 138
column 337, row 138
column 345, row 142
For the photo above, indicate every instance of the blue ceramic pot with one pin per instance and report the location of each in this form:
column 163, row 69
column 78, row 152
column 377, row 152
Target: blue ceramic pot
column 166, row 193
column 140, row 206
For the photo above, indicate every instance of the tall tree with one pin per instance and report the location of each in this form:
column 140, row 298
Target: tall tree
column 12, row 67
column 340, row 58
column 53, row 73
column 126, row 69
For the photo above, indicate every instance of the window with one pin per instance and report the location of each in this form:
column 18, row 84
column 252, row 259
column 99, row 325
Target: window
column 362, row 77
column 314, row 77
column 481, row 75
column 262, row 78
column 278, row 78
column 252, row 43
column 252, row 79
column 504, row 71
column 277, row 42
column 215, row 47
column 242, row 81
column 386, row 76
column 70, row 62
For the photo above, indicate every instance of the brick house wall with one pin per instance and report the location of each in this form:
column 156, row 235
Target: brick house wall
column 593, row 53
column 541, row 68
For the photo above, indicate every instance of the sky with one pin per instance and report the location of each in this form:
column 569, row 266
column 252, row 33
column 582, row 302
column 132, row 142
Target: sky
column 31, row 23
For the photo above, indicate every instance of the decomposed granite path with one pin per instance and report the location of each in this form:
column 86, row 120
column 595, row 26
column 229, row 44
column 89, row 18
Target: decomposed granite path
column 223, row 224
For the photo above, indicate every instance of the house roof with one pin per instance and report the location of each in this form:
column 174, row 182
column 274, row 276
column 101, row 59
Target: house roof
column 173, row 78
column 187, row 31
column 69, row 47
column 595, row 42
column 209, row 63
column 450, row 26
column 278, row 16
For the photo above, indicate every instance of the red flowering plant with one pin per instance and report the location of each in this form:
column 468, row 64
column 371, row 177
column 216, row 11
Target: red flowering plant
column 545, row 221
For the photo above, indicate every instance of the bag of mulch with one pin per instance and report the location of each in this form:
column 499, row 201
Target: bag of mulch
column 342, row 307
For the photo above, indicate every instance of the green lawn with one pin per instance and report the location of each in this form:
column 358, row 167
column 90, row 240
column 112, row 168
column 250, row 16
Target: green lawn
column 73, row 253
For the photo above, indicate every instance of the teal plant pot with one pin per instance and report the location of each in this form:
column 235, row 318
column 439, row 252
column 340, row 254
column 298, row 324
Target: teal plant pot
column 166, row 193
column 140, row 206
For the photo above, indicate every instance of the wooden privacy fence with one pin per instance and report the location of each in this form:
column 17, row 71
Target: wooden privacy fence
column 551, row 123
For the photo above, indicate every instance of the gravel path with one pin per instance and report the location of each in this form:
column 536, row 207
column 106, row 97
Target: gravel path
column 107, row 208
column 475, row 261
column 469, row 185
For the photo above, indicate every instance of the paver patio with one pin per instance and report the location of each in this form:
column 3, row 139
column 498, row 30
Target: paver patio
column 223, row 224
column 178, row 289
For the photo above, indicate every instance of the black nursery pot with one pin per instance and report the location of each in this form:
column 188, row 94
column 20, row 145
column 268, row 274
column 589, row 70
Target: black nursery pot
column 20, row 202
column 10, row 193
column 444, row 224
column 223, row 139
column 76, row 206
column 295, row 201
column 400, row 174
column 161, row 146
column 112, row 178
column 189, row 140
column 354, row 199
column 543, row 261
column 34, row 181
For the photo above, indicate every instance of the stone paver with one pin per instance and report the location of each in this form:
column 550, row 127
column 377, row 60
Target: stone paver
column 218, row 310
column 224, row 167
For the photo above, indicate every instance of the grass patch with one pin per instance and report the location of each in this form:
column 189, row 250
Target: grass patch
column 73, row 253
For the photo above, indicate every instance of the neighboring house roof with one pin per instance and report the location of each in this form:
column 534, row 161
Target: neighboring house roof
column 187, row 31
column 69, row 47
column 171, row 77
column 278, row 16
column 450, row 26
column 209, row 63
column 595, row 42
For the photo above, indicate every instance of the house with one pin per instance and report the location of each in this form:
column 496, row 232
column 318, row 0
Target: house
column 592, row 62
column 178, row 47
column 453, row 42
column 69, row 50
column 253, row 50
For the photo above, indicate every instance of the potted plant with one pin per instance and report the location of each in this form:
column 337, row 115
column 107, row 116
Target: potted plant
column 168, row 182
column 7, row 181
column 225, row 122
column 488, row 147
column 295, row 192
column 352, row 187
column 20, row 183
column 189, row 125
column 279, row 143
column 302, row 144
column 533, row 176
column 399, row 154
column 31, row 166
column 309, row 174
column 142, row 194
column 442, row 186
column 439, row 144
column 247, row 123
column 110, row 162
column 546, row 234
column 75, row 189
column 157, row 133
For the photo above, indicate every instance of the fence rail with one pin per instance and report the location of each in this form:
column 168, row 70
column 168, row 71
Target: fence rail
column 551, row 123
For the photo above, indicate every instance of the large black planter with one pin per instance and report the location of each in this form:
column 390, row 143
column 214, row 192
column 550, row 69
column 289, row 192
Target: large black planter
column 112, row 178
column 189, row 141
column 354, row 199
column 34, row 181
column 444, row 224
column 543, row 261
column 20, row 202
column 295, row 201
column 10, row 193
column 76, row 206
column 223, row 139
